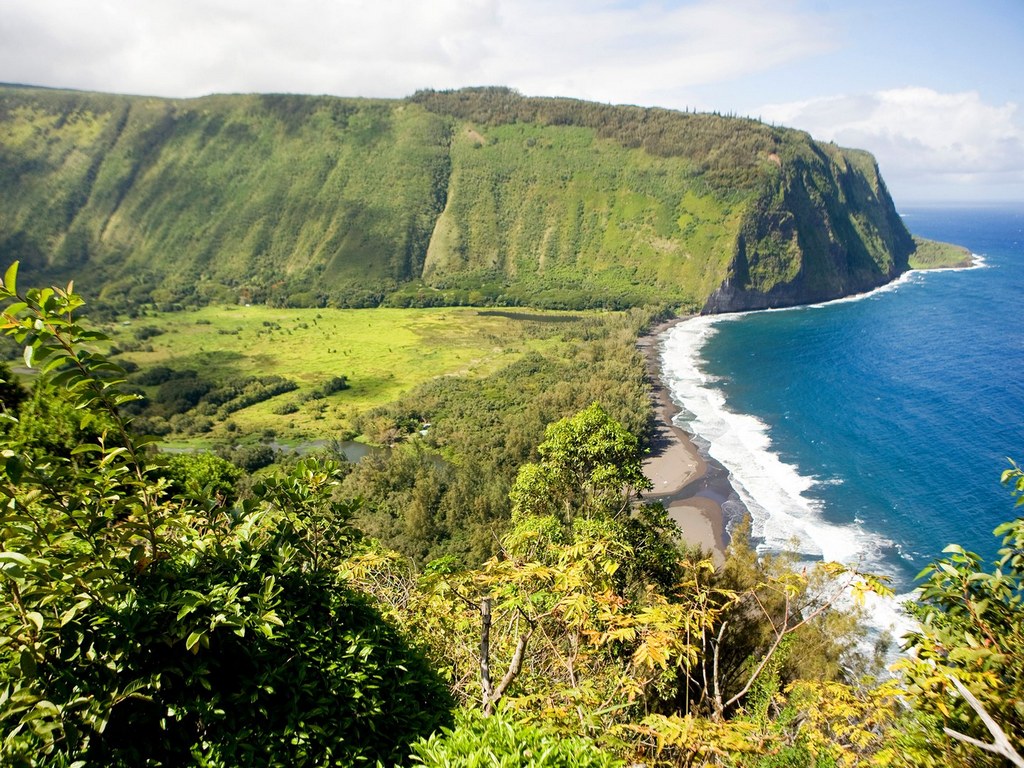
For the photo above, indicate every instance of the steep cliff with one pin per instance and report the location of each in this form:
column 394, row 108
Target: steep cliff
column 473, row 196
column 823, row 227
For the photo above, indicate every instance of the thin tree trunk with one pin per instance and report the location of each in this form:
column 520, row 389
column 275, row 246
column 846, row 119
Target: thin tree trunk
column 492, row 695
column 485, row 655
column 719, row 708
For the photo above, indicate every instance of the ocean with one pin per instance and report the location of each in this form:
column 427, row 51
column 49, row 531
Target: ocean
column 871, row 430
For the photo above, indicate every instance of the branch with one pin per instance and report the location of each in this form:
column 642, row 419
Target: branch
column 1000, row 743
column 492, row 695
column 786, row 629
column 767, row 615
column 514, row 667
column 485, row 653
column 757, row 672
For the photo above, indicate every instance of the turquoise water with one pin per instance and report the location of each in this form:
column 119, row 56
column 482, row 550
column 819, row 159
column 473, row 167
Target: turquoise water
column 873, row 430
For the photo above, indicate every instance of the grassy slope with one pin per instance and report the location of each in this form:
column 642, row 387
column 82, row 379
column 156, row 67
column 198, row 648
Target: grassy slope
column 383, row 352
column 474, row 196
column 239, row 192
column 561, row 211
column 931, row 254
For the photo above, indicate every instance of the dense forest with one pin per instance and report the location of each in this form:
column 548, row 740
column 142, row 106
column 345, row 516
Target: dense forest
column 473, row 197
column 180, row 610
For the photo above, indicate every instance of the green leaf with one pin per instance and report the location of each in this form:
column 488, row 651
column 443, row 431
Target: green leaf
column 192, row 641
column 11, row 278
column 27, row 662
column 14, row 467
column 14, row 557
column 35, row 618
column 1003, row 528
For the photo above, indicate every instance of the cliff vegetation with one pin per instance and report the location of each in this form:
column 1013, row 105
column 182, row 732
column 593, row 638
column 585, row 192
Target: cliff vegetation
column 480, row 196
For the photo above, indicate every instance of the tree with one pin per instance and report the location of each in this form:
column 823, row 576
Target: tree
column 598, row 623
column 967, row 653
column 773, row 610
column 589, row 465
column 203, row 477
column 140, row 629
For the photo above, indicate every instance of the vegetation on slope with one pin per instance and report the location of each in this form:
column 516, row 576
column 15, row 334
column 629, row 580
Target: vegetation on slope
column 931, row 254
column 197, row 629
column 255, row 198
column 478, row 196
column 140, row 629
column 381, row 354
column 485, row 430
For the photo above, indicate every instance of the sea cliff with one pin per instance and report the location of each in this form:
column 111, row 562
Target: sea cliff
column 479, row 196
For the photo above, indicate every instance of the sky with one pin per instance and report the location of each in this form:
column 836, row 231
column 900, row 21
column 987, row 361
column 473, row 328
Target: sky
column 932, row 87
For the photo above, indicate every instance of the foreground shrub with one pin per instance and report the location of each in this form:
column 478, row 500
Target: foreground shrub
column 501, row 742
column 141, row 629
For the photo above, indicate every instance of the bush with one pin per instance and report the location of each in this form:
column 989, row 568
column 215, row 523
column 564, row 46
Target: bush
column 202, row 476
column 328, row 682
column 285, row 409
column 158, row 374
column 180, row 394
column 501, row 742
column 329, row 387
column 148, row 332
column 250, row 457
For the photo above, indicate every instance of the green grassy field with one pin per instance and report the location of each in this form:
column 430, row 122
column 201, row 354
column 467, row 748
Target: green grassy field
column 383, row 353
column 931, row 254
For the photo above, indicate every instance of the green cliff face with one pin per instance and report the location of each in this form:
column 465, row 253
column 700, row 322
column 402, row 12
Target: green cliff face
column 476, row 196
column 823, row 226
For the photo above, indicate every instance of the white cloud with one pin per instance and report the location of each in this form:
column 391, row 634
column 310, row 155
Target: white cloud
column 671, row 53
column 922, row 138
column 610, row 50
column 651, row 53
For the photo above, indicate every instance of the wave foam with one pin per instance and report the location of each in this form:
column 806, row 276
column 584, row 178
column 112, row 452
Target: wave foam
column 785, row 518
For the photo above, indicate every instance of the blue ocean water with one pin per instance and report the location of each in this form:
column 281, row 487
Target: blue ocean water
column 872, row 430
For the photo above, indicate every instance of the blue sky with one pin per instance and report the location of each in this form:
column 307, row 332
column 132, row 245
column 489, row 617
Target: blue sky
column 931, row 87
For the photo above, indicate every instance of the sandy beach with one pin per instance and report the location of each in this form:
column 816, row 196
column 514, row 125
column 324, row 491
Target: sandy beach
column 677, row 470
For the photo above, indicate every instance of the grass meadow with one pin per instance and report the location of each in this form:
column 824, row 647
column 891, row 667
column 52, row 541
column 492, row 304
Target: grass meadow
column 384, row 353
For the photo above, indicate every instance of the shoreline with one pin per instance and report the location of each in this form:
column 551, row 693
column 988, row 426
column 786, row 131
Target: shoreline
column 691, row 487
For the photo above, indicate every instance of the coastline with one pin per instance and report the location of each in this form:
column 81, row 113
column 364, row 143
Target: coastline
column 691, row 489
